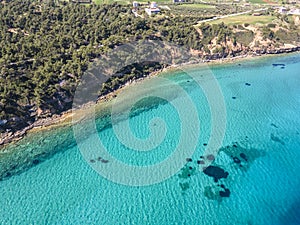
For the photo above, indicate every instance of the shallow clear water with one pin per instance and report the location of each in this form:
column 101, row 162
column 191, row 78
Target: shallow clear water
column 262, row 121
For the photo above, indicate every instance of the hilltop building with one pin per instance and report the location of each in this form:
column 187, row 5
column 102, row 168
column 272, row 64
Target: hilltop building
column 282, row 10
column 82, row 1
column 179, row 1
column 135, row 4
column 153, row 9
column 294, row 12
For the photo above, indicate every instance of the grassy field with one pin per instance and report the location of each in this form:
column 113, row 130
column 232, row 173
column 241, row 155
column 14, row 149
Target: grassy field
column 196, row 6
column 216, row 1
column 250, row 1
column 98, row 2
column 235, row 20
column 257, row 2
column 158, row 1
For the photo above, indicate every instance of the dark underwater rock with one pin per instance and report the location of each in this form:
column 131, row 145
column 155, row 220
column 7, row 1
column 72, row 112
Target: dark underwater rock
column 243, row 156
column 215, row 172
column 35, row 161
column 104, row 161
column 225, row 193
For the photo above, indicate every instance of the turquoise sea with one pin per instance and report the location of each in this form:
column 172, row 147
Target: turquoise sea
column 46, row 180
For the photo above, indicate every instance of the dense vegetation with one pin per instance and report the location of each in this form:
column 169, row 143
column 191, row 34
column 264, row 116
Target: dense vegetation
column 45, row 50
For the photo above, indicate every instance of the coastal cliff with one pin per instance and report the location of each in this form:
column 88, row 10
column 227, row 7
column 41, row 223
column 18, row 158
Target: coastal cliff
column 64, row 117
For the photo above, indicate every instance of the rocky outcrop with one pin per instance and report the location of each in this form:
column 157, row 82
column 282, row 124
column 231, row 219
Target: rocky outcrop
column 278, row 50
column 10, row 136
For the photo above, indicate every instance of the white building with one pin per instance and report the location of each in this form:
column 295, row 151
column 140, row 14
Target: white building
column 282, row 10
column 135, row 4
column 153, row 5
column 153, row 9
column 294, row 12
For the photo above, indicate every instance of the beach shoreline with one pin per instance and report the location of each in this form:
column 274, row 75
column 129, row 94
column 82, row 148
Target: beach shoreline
column 65, row 118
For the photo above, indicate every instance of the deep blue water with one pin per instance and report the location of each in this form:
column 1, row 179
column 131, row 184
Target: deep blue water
column 262, row 107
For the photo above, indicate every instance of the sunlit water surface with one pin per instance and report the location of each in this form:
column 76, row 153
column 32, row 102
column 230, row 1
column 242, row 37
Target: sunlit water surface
column 263, row 107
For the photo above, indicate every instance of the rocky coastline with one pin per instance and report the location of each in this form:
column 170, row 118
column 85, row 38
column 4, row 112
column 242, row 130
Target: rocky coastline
column 253, row 53
column 66, row 116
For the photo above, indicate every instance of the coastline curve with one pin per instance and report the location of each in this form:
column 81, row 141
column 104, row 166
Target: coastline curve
column 108, row 66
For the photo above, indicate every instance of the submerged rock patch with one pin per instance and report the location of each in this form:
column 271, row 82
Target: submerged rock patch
column 210, row 157
column 242, row 158
column 35, row 161
column 215, row 172
column 276, row 139
column 186, row 172
column 200, row 162
column 274, row 125
column 225, row 193
column 184, row 186
column 104, row 161
column 216, row 192
column 99, row 159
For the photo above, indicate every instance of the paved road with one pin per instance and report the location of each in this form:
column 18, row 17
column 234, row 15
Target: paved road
column 230, row 15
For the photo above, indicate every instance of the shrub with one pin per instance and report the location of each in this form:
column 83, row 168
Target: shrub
column 271, row 25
